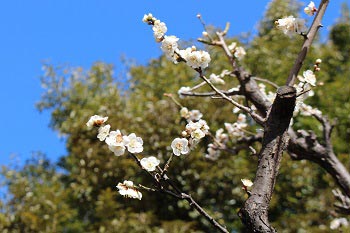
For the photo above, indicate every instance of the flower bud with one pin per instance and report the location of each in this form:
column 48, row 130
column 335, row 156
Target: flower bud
column 318, row 61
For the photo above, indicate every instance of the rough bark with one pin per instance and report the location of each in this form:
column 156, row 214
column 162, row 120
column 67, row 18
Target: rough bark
column 306, row 146
column 254, row 213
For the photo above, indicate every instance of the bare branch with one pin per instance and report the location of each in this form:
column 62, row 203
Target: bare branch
column 254, row 213
column 343, row 205
column 202, row 212
column 255, row 116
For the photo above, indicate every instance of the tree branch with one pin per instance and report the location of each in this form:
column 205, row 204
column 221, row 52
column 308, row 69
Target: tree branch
column 254, row 213
column 316, row 24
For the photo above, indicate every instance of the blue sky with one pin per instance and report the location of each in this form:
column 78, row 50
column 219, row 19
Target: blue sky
column 80, row 32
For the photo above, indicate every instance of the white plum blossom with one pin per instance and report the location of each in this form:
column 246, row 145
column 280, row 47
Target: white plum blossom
column 220, row 136
column 241, row 120
column 203, row 126
column 247, row 183
column 127, row 189
column 232, row 46
column 169, row 46
column 309, row 77
column 338, row 222
column 195, row 59
column 116, row 142
column 307, row 110
column 197, row 130
column 183, row 90
column 150, row 163
column 310, row 9
column 239, row 53
column 159, row 29
column 213, row 154
column 291, row 25
column 115, row 138
column 133, row 143
column 236, row 129
column 236, row 110
column 180, row 146
column 215, row 79
column 197, row 134
column 103, row 132
column 148, row 18
column 96, row 120
column 195, row 115
column 184, row 113
column 117, row 150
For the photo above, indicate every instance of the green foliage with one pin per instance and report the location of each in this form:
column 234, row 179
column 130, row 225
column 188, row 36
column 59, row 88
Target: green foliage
column 83, row 197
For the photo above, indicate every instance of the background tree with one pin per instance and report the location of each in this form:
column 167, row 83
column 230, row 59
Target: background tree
column 86, row 187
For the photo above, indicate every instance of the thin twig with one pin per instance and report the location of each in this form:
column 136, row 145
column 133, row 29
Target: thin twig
column 203, row 212
column 266, row 81
column 255, row 116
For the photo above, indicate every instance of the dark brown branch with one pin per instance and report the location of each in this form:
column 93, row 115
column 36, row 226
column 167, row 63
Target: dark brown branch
column 178, row 193
column 254, row 213
column 304, row 145
column 195, row 205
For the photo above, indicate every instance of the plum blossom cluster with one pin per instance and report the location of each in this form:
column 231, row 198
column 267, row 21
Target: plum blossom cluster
column 291, row 25
column 307, row 81
column 237, row 51
column 237, row 129
column 197, row 59
column 310, row 9
column 195, row 129
column 127, row 189
column 116, row 142
column 219, row 142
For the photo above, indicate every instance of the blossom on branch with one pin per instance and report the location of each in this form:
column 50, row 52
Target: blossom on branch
column 148, row 18
column 291, row 25
column 127, row 189
column 103, row 132
column 169, row 47
column 180, row 146
column 310, row 9
column 195, row 59
column 116, row 142
column 216, row 79
column 159, row 29
column 183, row 90
column 184, row 113
column 96, row 120
column 236, row 129
column 133, row 143
column 308, row 77
column 247, row 183
column 195, row 115
column 150, row 163
column 239, row 53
